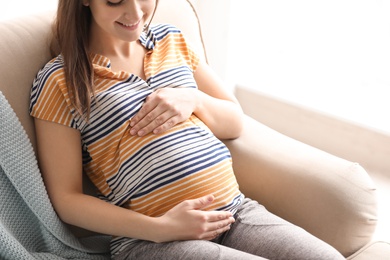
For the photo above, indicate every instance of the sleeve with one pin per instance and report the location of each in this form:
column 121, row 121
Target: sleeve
column 49, row 99
column 169, row 35
column 188, row 52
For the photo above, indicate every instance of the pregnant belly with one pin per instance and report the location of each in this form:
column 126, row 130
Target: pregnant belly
column 187, row 162
column 217, row 179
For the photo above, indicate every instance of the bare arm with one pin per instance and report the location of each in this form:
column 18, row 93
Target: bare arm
column 217, row 107
column 212, row 103
column 60, row 159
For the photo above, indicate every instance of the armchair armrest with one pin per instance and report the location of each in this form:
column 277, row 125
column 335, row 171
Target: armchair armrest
column 330, row 197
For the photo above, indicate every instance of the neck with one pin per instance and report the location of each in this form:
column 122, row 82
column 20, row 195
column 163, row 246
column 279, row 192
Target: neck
column 110, row 46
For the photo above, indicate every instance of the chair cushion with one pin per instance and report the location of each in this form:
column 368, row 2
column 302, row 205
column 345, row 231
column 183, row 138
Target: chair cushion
column 378, row 250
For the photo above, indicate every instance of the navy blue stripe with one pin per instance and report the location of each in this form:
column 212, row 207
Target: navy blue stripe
column 136, row 159
column 184, row 171
column 157, row 175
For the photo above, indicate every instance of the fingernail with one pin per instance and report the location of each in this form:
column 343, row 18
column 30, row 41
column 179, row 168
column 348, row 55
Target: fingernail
column 133, row 131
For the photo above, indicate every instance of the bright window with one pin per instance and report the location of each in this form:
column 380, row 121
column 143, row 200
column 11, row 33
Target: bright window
column 333, row 55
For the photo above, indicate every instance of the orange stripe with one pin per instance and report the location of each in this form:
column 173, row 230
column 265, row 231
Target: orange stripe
column 166, row 49
column 159, row 201
column 56, row 107
column 109, row 159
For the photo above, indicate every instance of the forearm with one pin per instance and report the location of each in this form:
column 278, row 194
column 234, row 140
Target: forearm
column 216, row 106
column 186, row 221
column 223, row 117
column 93, row 214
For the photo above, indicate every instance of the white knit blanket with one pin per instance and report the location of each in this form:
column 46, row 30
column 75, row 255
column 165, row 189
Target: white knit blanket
column 29, row 227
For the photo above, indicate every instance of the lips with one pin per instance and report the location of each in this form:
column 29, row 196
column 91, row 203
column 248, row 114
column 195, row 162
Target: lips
column 129, row 25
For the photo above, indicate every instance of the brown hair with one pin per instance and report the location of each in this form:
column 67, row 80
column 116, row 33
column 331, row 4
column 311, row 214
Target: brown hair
column 71, row 35
column 71, row 38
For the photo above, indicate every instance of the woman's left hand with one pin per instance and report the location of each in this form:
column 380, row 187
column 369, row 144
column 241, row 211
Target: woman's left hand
column 163, row 109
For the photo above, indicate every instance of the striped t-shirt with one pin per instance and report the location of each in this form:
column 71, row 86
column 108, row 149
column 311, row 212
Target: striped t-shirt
column 149, row 174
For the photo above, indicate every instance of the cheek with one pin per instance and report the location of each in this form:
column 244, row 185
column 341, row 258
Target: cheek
column 109, row 16
column 103, row 15
column 107, row 23
column 148, row 9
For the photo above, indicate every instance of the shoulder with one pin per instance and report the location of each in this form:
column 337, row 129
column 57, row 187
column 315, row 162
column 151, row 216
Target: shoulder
column 49, row 98
column 158, row 33
column 53, row 70
column 48, row 80
column 164, row 28
column 161, row 31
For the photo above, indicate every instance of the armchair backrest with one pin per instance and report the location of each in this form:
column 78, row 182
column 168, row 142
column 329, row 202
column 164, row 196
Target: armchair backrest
column 24, row 49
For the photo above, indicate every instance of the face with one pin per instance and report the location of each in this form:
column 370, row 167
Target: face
column 120, row 19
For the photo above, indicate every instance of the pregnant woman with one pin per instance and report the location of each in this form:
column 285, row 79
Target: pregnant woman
column 133, row 107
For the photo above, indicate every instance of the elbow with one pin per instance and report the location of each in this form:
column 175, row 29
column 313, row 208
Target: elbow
column 61, row 210
column 64, row 207
column 236, row 133
column 235, row 128
column 238, row 128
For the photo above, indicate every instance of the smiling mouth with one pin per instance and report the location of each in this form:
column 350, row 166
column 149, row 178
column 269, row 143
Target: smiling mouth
column 130, row 25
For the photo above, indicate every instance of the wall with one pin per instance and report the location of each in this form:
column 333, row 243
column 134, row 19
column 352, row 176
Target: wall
column 13, row 9
column 215, row 19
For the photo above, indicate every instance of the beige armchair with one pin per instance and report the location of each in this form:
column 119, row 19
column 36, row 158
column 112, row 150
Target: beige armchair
column 332, row 198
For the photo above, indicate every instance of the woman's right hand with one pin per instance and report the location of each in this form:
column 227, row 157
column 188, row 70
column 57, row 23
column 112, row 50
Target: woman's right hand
column 187, row 221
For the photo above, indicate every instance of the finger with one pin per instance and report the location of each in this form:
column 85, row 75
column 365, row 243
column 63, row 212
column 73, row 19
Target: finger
column 221, row 217
column 146, row 109
column 157, row 125
column 144, row 125
column 216, row 232
column 203, row 201
column 223, row 223
column 199, row 203
column 163, row 124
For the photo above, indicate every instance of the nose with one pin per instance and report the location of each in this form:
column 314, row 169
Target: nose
column 133, row 11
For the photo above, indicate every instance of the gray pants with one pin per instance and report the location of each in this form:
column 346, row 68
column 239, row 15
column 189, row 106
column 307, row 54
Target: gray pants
column 256, row 234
